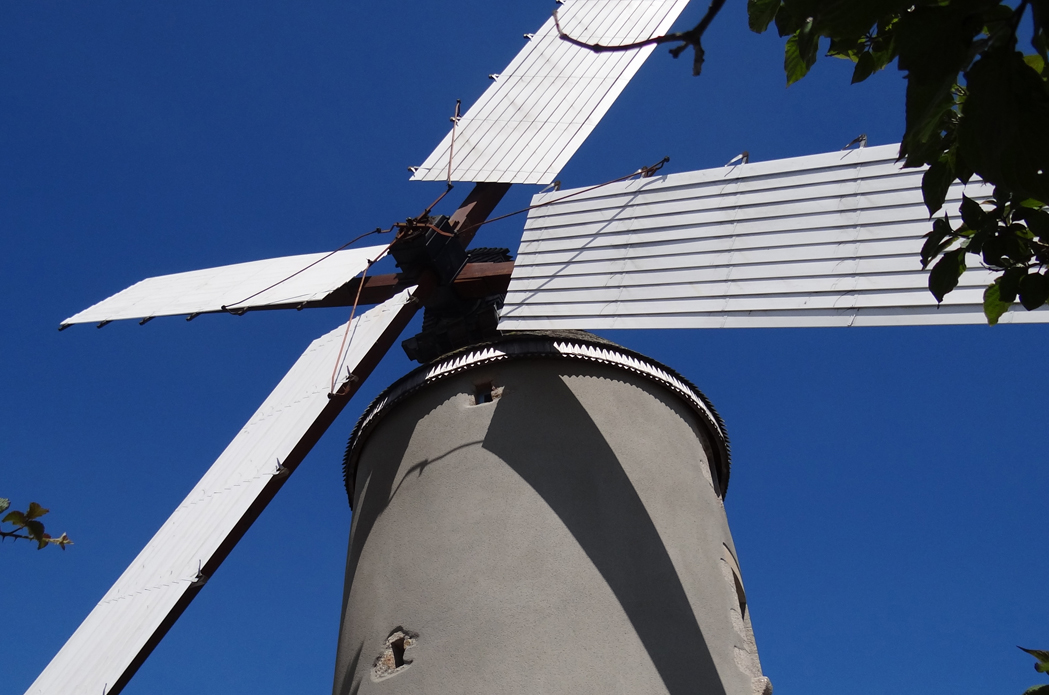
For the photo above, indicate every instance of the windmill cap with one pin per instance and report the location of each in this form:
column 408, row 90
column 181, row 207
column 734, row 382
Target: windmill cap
column 570, row 345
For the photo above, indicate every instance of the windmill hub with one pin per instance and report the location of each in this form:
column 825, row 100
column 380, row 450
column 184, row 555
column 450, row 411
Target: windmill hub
column 454, row 319
column 428, row 243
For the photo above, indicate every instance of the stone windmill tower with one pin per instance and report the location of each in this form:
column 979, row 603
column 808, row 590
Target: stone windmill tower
column 543, row 511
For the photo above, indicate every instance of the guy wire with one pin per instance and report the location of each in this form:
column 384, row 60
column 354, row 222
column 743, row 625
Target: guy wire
column 643, row 172
column 377, row 230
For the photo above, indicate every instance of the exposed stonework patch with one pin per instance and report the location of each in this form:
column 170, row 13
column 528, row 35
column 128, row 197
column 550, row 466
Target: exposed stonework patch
column 392, row 660
column 745, row 652
column 744, row 660
column 738, row 623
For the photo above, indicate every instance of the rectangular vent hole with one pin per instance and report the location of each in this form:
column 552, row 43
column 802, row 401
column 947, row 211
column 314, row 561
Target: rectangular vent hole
column 486, row 392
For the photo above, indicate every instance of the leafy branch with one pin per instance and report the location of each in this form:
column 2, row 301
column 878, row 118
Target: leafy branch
column 1042, row 667
column 27, row 526
column 693, row 37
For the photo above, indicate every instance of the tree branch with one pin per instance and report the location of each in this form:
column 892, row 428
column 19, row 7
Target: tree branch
column 693, row 37
column 13, row 534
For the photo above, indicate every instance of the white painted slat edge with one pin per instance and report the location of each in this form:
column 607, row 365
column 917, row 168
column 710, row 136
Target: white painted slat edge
column 880, row 174
column 689, row 203
column 268, row 282
column 726, row 283
column 971, row 314
column 124, row 622
column 619, row 304
column 839, row 166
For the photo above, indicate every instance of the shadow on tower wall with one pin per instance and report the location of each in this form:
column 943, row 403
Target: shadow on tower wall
column 598, row 504
column 533, row 428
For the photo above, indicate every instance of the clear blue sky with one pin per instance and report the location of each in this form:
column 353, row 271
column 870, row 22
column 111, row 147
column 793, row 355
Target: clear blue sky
column 886, row 485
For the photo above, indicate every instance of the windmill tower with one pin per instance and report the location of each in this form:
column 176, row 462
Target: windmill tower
column 543, row 511
column 259, row 461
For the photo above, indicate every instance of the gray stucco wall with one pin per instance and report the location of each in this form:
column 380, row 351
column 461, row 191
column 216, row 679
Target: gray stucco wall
column 564, row 538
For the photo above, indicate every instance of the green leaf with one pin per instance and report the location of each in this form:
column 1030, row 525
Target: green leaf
column 993, row 306
column 883, row 48
column 1041, row 654
column 16, row 518
column 992, row 247
column 935, row 243
column 789, row 19
column 1009, row 283
column 801, row 51
column 972, row 214
column 1038, row 222
column 1036, row 62
column 1017, row 250
column 944, row 275
column 35, row 529
column 760, row 14
column 846, row 49
column 1020, row 231
column 1034, row 291
column 35, row 511
column 934, row 43
column 4, row 504
column 935, row 184
column 1002, row 128
column 1037, row 690
column 794, row 64
column 853, row 18
column 808, row 41
column 866, row 66
column 1001, row 196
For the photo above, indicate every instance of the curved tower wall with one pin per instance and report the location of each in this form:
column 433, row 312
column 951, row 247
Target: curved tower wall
column 566, row 536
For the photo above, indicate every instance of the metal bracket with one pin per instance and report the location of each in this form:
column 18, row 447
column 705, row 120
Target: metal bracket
column 201, row 579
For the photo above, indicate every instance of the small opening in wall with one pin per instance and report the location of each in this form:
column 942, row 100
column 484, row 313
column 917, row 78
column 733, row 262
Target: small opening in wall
column 483, row 393
column 397, row 647
column 737, row 583
column 741, row 596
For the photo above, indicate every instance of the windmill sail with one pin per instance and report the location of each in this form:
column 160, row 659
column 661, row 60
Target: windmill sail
column 824, row 240
column 131, row 618
column 275, row 282
column 542, row 107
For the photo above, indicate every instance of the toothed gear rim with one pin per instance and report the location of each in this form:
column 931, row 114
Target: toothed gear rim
column 573, row 345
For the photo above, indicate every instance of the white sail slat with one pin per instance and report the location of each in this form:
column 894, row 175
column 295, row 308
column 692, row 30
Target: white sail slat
column 825, row 240
column 631, row 288
column 813, row 318
column 121, row 630
column 532, row 119
column 286, row 281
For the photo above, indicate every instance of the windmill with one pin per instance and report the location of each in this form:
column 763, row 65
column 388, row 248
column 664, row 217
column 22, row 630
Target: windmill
column 297, row 300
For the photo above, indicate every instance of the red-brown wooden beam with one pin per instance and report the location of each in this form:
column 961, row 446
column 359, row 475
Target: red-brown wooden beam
column 478, row 205
column 474, row 281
